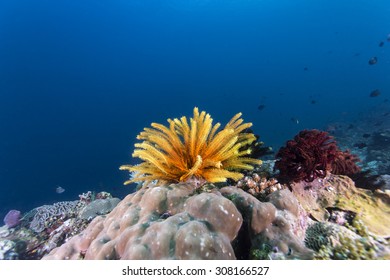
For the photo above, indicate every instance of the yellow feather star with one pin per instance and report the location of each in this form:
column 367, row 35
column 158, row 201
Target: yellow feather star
column 193, row 148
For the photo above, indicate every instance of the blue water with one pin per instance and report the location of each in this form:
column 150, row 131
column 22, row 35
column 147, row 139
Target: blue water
column 80, row 79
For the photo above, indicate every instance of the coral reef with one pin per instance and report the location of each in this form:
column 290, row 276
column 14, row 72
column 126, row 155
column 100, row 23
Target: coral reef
column 98, row 207
column 23, row 243
column 381, row 187
column 202, row 194
column 259, row 187
column 368, row 136
column 348, row 248
column 275, row 228
column 339, row 192
column 352, row 242
column 377, row 151
column 12, row 219
column 329, row 219
column 49, row 226
column 312, row 154
column 44, row 217
column 318, row 235
column 7, row 250
column 177, row 222
column 160, row 222
column 193, row 149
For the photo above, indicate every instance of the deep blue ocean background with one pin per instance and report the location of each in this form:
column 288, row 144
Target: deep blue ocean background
column 80, row 79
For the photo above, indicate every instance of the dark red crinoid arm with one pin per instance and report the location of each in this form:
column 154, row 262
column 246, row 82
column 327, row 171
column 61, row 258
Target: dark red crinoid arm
column 310, row 155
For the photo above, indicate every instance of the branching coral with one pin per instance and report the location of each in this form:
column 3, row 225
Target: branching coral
column 193, row 148
column 259, row 187
column 310, row 155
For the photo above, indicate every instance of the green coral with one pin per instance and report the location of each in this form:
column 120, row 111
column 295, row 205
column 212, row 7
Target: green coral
column 318, row 235
column 350, row 242
column 349, row 248
column 262, row 253
column 208, row 187
column 359, row 227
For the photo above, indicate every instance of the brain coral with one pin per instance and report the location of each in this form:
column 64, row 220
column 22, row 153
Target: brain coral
column 193, row 149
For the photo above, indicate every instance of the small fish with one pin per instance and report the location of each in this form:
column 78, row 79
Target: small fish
column 313, row 101
column 375, row 93
column 59, row 189
column 331, row 128
column 366, row 135
column 381, row 44
column 388, row 38
column 306, row 69
column 373, row 60
column 294, row 120
column 360, row 145
column 261, row 107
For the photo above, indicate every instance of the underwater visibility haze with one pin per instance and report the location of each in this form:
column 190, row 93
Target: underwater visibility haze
column 79, row 80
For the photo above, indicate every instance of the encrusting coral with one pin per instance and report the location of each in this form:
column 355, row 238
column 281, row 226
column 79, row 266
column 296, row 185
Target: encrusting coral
column 339, row 192
column 193, row 149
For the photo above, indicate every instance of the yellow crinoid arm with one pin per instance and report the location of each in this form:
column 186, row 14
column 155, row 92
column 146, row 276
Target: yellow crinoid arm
column 216, row 175
column 241, row 163
column 193, row 147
